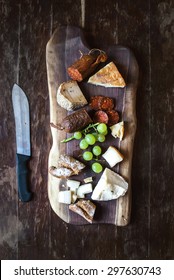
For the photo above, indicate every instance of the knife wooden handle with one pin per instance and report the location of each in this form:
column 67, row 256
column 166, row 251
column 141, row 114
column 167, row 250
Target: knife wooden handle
column 22, row 174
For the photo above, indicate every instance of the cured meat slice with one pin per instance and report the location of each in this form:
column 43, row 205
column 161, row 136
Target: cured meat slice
column 113, row 117
column 100, row 117
column 101, row 103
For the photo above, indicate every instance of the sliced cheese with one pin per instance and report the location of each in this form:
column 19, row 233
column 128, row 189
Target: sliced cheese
column 108, row 76
column 70, row 96
column 112, row 156
column 110, row 186
column 117, row 130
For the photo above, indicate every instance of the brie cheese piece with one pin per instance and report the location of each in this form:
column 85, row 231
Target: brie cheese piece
column 112, row 156
column 110, row 186
column 108, row 76
column 70, row 96
column 117, row 130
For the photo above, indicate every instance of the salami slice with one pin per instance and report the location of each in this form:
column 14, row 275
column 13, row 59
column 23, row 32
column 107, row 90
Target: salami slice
column 101, row 103
column 113, row 117
column 100, row 117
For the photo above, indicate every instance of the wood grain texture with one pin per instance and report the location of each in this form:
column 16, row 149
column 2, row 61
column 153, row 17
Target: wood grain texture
column 34, row 231
column 62, row 51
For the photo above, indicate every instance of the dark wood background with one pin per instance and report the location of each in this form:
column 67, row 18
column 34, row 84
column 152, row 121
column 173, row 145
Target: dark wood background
column 32, row 230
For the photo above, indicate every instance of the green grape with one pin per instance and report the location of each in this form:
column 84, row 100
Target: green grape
column 96, row 150
column 101, row 138
column 87, row 156
column 90, row 139
column 102, row 128
column 95, row 135
column 83, row 144
column 97, row 167
column 105, row 133
column 77, row 135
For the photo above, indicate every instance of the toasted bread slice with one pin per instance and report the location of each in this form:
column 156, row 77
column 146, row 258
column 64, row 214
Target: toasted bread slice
column 108, row 76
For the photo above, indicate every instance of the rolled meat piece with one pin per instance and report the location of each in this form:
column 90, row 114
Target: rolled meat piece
column 76, row 121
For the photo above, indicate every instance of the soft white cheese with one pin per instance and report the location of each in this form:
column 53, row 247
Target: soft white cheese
column 110, row 186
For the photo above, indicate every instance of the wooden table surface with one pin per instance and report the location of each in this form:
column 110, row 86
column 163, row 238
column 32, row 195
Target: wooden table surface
column 32, row 230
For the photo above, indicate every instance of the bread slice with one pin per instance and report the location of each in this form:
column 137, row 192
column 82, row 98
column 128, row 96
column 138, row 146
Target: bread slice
column 108, row 76
column 84, row 208
column 70, row 96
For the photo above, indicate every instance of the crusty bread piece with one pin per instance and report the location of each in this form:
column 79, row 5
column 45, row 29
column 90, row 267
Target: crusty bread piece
column 70, row 96
column 108, row 76
column 71, row 163
column 60, row 172
column 67, row 166
column 84, row 208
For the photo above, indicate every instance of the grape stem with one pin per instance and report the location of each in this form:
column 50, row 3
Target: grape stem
column 84, row 131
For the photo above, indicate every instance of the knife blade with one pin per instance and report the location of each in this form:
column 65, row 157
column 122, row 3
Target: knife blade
column 23, row 151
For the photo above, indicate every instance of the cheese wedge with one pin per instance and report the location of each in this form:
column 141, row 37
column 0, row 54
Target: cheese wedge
column 117, row 130
column 112, row 156
column 110, row 186
column 70, row 96
column 108, row 76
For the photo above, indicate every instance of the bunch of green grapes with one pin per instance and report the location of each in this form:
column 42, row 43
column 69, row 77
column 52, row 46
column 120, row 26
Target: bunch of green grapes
column 90, row 140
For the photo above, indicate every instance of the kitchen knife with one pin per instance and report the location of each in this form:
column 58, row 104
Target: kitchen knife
column 22, row 124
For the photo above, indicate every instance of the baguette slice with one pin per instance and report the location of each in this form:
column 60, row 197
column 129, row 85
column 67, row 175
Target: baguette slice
column 70, row 96
column 108, row 76
column 84, row 208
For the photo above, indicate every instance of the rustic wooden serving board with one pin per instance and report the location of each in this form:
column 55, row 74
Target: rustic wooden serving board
column 62, row 50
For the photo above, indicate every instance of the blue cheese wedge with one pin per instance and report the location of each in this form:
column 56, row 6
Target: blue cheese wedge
column 70, row 96
column 110, row 186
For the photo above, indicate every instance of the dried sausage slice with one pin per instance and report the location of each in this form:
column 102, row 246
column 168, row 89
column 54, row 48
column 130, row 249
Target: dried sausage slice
column 100, row 117
column 113, row 117
column 101, row 103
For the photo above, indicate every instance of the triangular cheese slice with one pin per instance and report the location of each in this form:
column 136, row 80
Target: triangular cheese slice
column 108, row 76
column 110, row 186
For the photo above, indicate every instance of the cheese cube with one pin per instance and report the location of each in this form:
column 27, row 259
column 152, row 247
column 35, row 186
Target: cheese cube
column 64, row 197
column 84, row 189
column 112, row 156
